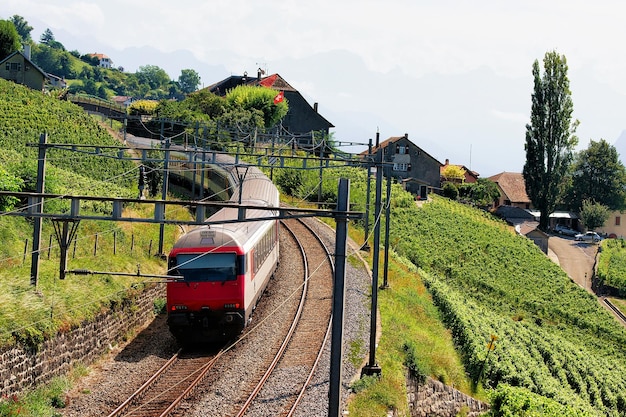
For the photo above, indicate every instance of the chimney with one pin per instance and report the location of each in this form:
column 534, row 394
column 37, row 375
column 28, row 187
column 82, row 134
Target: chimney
column 447, row 161
column 27, row 51
column 315, row 107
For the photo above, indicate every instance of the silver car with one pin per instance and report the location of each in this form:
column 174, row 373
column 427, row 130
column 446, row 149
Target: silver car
column 588, row 237
column 564, row 230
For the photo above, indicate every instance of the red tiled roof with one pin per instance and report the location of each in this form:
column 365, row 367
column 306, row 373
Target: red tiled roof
column 513, row 185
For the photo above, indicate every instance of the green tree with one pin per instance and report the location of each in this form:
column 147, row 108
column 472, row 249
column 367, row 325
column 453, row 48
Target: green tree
column 258, row 99
column 22, row 27
column 597, row 175
column 47, row 36
column 207, row 103
column 453, row 173
column 594, row 214
column 188, row 81
column 550, row 136
column 53, row 60
column 450, row 191
column 481, row 193
column 9, row 39
column 153, row 76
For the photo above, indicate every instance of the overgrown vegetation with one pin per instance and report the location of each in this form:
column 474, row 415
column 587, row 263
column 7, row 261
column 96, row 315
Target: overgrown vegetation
column 29, row 314
column 26, row 114
column 612, row 264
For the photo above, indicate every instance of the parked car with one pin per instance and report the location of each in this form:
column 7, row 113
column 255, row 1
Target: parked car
column 564, row 230
column 588, row 237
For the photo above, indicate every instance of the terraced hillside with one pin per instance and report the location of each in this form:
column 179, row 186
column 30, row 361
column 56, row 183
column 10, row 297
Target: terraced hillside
column 555, row 346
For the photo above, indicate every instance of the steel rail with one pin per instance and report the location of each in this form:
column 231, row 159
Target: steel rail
column 141, row 409
column 287, row 338
column 118, row 411
column 326, row 336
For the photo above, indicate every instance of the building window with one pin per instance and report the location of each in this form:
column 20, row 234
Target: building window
column 618, row 220
column 400, row 167
column 401, row 149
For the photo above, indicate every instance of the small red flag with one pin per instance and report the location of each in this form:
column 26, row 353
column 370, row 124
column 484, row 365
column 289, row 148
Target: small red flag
column 279, row 97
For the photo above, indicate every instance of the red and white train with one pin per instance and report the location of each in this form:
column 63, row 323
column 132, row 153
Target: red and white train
column 224, row 268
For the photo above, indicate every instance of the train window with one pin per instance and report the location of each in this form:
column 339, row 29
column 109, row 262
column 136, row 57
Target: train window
column 213, row 267
column 242, row 265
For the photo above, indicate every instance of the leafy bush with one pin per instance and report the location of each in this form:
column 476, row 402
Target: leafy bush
column 612, row 264
column 143, row 108
column 450, row 191
column 9, row 182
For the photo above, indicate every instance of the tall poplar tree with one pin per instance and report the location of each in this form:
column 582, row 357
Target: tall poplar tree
column 550, row 136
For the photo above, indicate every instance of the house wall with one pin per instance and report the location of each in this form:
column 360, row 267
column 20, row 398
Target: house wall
column 105, row 62
column 504, row 201
column 418, row 164
column 616, row 225
column 26, row 74
column 301, row 118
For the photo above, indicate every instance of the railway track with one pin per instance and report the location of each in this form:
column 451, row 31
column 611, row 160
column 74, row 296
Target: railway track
column 278, row 387
column 164, row 390
column 615, row 310
column 303, row 344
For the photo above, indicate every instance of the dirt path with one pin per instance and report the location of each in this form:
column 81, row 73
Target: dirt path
column 576, row 258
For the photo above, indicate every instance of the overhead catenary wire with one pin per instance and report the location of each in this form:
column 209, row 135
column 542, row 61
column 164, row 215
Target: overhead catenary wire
column 158, row 169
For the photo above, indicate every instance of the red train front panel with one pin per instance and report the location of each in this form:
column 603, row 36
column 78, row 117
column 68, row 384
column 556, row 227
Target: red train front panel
column 207, row 304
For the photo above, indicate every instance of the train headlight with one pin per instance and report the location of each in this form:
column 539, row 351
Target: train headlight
column 179, row 308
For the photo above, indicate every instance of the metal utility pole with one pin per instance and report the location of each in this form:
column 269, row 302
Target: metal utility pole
column 372, row 367
column 387, row 220
column 321, row 172
column 161, row 213
column 339, row 297
column 366, row 246
column 38, row 209
column 65, row 230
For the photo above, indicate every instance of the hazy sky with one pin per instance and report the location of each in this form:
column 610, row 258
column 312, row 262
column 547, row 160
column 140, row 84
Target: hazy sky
column 455, row 75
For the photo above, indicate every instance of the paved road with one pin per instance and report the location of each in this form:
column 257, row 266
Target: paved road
column 576, row 258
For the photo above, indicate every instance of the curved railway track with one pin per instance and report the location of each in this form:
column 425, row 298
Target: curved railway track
column 285, row 375
column 303, row 345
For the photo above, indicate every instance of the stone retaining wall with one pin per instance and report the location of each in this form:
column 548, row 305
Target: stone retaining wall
column 22, row 368
column 434, row 399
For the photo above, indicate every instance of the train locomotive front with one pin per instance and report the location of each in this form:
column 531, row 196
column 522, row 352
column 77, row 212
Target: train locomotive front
column 224, row 268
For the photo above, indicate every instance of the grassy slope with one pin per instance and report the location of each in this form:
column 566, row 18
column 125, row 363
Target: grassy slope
column 29, row 314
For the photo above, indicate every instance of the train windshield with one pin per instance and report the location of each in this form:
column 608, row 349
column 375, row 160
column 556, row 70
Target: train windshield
column 213, row 267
